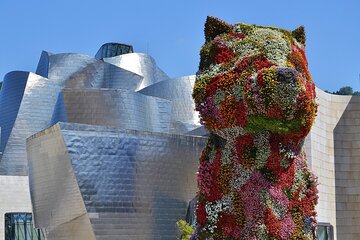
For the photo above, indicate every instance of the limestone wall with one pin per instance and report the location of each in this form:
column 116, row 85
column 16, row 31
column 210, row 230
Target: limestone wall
column 323, row 147
column 15, row 197
column 347, row 171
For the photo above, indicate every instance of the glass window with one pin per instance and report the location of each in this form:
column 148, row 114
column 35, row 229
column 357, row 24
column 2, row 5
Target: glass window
column 113, row 49
column 325, row 231
column 19, row 226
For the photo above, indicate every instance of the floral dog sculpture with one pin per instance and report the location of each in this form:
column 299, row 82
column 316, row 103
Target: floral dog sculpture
column 255, row 95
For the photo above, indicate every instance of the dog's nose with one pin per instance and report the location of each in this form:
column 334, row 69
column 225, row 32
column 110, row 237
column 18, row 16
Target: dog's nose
column 286, row 75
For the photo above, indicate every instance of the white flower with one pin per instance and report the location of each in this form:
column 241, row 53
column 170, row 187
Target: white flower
column 240, row 177
column 263, row 149
column 273, row 42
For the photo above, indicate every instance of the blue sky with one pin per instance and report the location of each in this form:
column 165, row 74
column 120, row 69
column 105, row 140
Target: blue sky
column 172, row 31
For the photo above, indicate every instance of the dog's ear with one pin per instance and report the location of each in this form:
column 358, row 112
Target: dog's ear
column 214, row 27
column 299, row 35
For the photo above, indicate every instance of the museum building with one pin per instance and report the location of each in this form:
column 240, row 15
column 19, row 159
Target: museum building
column 107, row 147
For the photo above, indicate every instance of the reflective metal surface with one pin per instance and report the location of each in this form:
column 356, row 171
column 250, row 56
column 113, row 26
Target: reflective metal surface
column 38, row 95
column 34, row 114
column 133, row 184
column 117, row 108
column 10, row 98
column 21, row 120
column 178, row 91
column 141, row 64
column 104, row 75
column 96, row 181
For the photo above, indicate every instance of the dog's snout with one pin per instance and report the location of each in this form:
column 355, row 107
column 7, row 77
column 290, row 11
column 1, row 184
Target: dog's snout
column 286, row 75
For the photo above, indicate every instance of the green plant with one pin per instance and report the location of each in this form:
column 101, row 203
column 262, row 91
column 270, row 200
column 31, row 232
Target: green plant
column 184, row 229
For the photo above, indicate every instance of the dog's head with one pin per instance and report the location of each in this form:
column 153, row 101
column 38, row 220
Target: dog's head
column 254, row 78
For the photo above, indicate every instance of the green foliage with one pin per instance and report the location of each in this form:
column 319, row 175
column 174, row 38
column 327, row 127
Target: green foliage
column 257, row 123
column 347, row 90
column 184, row 229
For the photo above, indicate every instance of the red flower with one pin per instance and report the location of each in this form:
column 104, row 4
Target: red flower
column 213, row 85
column 241, row 114
column 275, row 112
column 223, row 55
column 298, row 58
column 272, row 224
column 215, row 188
column 262, row 63
column 260, row 80
column 273, row 164
column 257, row 62
column 237, row 35
column 201, row 215
column 242, row 143
column 215, row 192
column 286, row 178
column 228, row 223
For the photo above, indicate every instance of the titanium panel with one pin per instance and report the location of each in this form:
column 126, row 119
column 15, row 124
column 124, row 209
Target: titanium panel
column 76, row 229
column 135, row 185
column 82, row 71
column 43, row 64
column 37, row 105
column 58, row 207
column 34, row 114
column 104, row 75
column 117, row 108
column 62, row 66
column 184, row 118
column 141, row 64
column 59, row 114
column 11, row 95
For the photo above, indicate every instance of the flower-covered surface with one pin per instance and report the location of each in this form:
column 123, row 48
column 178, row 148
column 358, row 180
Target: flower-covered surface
column 255, row 95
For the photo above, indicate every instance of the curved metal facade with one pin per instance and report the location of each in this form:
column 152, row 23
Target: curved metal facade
column 99, row 181
column 133, row 184
column 117, row 108
column 104, row 75
column 11, row 94
column 34, row 114
column 43, row 65
column 184, row 118
column 141, row 64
